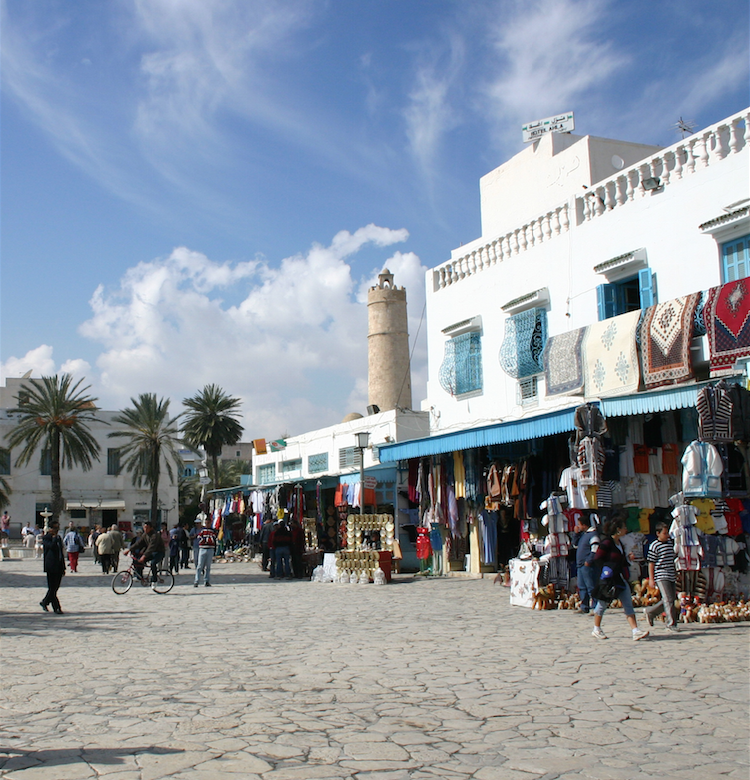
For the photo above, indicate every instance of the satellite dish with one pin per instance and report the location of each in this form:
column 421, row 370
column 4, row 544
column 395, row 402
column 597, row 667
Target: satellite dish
column 27, row 375
column 617, row 162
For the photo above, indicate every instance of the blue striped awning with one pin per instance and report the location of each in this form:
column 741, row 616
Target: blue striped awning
column 656, row 401
column 502, row 433
column 543, row 425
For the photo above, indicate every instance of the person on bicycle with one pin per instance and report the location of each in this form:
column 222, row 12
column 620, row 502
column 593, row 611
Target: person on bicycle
column 148, row 548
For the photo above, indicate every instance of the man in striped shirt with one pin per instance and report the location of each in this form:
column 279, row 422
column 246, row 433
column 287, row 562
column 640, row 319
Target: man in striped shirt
column 661, row 570
column 206, row 546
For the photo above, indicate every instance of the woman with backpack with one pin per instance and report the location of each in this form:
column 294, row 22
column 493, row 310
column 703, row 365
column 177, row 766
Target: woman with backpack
column 611, row 563
column 74, row 546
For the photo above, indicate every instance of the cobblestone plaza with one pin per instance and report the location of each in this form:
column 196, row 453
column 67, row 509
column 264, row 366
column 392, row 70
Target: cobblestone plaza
column 419, row 679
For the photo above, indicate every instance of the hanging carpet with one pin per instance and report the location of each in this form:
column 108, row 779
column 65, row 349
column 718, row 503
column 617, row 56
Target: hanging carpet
column 610, row 357
column 563, row 363
column 665, row 334
column 727, row 316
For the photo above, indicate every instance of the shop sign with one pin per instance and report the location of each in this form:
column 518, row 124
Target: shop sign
column 562, row 123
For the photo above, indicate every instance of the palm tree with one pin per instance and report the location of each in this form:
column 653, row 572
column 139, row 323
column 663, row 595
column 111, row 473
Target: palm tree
column 229, row 474
column 152, row 440
column 211, row 422
column 5, row 491
column 54, row 417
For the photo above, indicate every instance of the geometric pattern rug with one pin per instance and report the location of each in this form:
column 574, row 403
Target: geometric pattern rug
column 727, row 317
column 665, row 335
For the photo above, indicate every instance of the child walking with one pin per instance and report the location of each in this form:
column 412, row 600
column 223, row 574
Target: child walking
column 661, row 570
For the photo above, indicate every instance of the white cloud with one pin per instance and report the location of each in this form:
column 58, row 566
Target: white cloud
column 550, row 55
column 430, row 115
column 294, row 348
column 39, row 361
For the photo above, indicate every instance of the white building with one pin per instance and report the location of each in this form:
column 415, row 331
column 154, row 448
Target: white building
column 580, row 229
column 331, row 455
column 103, row 495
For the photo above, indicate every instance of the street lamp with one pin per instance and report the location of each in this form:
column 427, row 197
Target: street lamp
column 363, row 437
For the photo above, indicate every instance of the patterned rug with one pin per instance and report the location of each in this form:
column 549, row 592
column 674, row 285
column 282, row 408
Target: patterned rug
column 563, row 363
column 666, row 331
column 610, row 357
column 523, row 344
column 727, row 316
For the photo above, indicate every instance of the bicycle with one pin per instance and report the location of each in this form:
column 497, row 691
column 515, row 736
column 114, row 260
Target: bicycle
column 123, row 581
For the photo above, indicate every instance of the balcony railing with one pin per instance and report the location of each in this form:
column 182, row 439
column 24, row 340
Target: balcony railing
column 702, row 150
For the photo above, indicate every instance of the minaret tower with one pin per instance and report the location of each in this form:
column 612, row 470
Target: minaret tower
column 389, row 370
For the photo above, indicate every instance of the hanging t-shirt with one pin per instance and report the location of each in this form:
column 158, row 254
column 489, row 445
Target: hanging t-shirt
column 705, row 521
column 576, row 495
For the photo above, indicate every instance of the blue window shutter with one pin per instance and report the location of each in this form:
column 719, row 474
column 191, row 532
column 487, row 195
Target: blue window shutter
column 646, row 285
column 606, row 301
column 735, row 259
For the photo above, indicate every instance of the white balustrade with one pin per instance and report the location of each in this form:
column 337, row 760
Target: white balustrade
column 707, row 148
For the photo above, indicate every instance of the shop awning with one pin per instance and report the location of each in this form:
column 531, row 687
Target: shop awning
column 543, row 425
column 655, row 401
column 95, row 503
column 503, row 433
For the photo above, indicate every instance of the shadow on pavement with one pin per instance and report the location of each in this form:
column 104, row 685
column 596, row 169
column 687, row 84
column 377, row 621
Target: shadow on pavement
column 11, row 759
column 42, row 622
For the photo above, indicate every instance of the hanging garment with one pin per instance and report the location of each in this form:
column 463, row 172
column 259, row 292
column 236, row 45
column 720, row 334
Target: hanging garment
column 459, row 475
column 569, row 482
column 702, row 469
column 714, row 405
column 589, row 421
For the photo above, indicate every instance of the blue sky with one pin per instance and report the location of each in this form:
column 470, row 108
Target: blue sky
column 201, row 191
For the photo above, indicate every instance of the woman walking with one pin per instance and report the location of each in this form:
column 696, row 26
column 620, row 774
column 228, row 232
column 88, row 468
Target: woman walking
column 73, row 547
column 612, row 564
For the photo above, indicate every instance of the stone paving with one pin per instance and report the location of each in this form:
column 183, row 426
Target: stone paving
column 421, row 679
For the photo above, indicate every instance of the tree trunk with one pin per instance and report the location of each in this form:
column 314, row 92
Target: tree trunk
column 57, row 499
column 215, row 464
column 155, row 471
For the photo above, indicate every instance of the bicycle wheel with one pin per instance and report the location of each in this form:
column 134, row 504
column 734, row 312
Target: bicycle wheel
column 164, row 582
column 122, row 582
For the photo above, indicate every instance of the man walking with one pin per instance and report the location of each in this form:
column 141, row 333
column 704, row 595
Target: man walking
column 206, row 546
column 118, row 543
column 54, row 567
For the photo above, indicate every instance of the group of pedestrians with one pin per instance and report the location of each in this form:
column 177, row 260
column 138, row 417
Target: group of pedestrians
column 602, row 568
column 282, row 548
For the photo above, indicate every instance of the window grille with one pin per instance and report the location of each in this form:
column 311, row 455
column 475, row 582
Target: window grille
column 349, row 457
column 266, row 473
column 461, row 370
column 317, row 463
column 291, row 465
column 528, row 392
column 4, row 462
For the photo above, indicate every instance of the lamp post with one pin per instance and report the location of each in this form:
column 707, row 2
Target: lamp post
column 363, row 437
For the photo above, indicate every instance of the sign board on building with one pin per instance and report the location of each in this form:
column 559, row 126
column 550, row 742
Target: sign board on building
column 371, row 483
column 562, row 123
